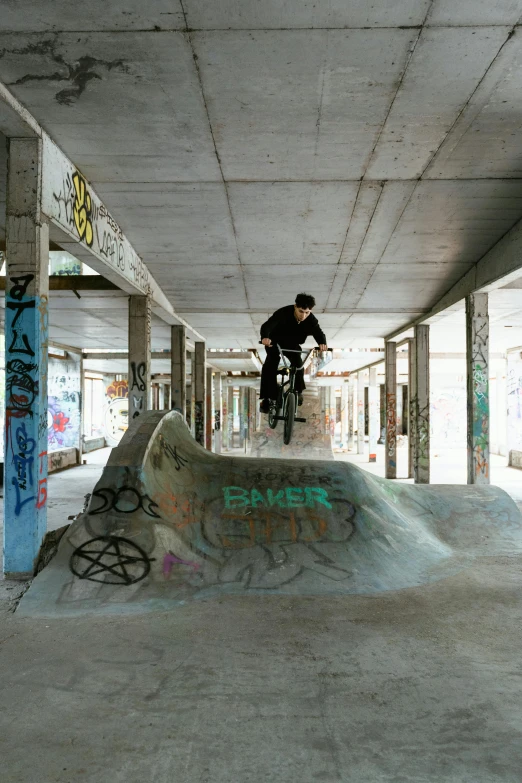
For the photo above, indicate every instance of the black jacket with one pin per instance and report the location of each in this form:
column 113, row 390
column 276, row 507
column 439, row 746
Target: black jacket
column 283, row 328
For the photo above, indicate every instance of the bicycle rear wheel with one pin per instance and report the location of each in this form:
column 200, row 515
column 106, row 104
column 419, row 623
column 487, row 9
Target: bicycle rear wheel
column 289, row 414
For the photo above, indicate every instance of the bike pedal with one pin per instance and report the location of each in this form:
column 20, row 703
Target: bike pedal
column 299, row 419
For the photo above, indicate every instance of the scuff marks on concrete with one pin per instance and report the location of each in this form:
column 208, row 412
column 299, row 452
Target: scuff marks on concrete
column 78, row 74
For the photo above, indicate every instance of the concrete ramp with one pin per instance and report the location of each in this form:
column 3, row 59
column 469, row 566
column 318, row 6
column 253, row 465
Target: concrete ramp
column 308, row 440
column 169, row 521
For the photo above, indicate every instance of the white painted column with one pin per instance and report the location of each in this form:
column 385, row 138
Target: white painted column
column 477, row 365
column 333, row 413
column 421, row 451
column 351, row 407
column 391, row 410
column 231, row 417
column 360, row 412
column 199, row 379
column 374, row 413
column 178, row 369
column 26, row 349
column 344, row 415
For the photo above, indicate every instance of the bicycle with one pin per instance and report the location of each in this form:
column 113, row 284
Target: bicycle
column 286, row 399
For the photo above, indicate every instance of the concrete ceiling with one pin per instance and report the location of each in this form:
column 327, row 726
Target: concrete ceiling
column 366, row 153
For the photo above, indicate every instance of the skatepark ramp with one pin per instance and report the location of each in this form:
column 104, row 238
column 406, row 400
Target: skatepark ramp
column 169, row 521
column 308, row 439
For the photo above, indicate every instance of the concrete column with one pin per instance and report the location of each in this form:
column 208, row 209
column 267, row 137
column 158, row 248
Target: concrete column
column 333, row 413
column 209, row 410
column 412, row 401
column 218, row 412
column 231, row 417
column 241, row 415
column 178, row 369
column 351, row 428
column 360, row 413
column 344, row 415
column 190, row 405
column 324, row 409
column 374, row 417
column 199, row 384
column 251, row 413
column 26, row 346
column 421, row 405
column 139, row 355
column 390, row 358
column 477, row 361
column 224, row 417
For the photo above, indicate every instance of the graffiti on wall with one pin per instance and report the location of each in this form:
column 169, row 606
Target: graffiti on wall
column 116, row 418
column 63, row 405
column 478, row 432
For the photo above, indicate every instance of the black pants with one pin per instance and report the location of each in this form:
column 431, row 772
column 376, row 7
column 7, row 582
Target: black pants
column 269, row 372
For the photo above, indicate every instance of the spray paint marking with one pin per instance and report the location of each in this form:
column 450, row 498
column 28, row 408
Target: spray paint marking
column 290, row 497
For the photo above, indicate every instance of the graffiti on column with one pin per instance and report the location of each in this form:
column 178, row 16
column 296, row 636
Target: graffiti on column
column 391, row 427
column 22, row 392
column 478, row 436
column 199, row 422
column 217, row 420
column 138, row 388
column 421, row 454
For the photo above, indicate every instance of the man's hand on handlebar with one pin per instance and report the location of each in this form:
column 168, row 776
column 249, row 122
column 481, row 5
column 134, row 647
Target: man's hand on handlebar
column 323, row 347
column 267, row 342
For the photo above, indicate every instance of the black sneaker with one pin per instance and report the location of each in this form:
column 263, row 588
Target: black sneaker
column 264, row 406
column 299, row 399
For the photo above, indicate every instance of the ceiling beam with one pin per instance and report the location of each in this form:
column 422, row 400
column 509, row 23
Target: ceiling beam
column 498, row 267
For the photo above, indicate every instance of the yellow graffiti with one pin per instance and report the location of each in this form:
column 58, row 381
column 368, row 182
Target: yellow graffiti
column 82, row 209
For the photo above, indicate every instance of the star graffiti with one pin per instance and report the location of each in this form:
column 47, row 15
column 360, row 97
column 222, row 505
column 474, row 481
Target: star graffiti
column 110, row 560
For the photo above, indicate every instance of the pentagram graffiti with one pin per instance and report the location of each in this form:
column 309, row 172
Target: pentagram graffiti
column 111, row 560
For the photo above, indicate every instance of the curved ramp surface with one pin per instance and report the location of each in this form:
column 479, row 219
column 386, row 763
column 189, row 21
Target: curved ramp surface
column 308, row 439
column 169, row 521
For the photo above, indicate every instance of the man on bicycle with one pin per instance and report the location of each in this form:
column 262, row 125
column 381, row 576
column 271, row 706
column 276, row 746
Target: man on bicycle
column 288, row 327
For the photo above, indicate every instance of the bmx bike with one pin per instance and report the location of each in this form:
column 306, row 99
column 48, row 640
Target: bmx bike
column 286, row 395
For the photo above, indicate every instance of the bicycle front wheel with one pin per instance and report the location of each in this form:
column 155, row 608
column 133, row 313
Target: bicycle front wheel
column 290, row 406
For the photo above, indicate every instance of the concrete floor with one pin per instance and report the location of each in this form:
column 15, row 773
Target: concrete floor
column 419, row 685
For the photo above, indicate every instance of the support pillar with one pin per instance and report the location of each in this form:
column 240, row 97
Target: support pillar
column 390, row 358
column 178, row 369
column 199, row 383
column 344, row 415
column 230, row 417
column 26, row 346
column 333, row 413
column 421, row 405
column 139, row 355
column 218, row 412
column 412, row 401
column 209, row 410
column 351, row 428
column 360, row 413
column 224, row 418
column 374, row 414
column 477, row 371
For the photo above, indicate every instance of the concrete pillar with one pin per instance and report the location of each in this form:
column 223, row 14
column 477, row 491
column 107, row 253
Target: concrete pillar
column 26, row 345
column 230, row 417
column 251, row 413
column 218, row 412
column 139, row 355
column 224, row 417
column 190, row 405
column 333, row 413
column 412, row 414
column 325, row 410
column 199, row 383
column 241, row 415
column 344, row 415
column 477, row 371
column 360, row 413
column 178, row 369
column 209, row 410
column 390, row 358
column 421, row 405
column 351, row 406
column 374, row 414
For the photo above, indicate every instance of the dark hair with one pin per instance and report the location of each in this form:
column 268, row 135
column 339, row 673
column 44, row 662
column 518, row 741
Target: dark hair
column 305, row 300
